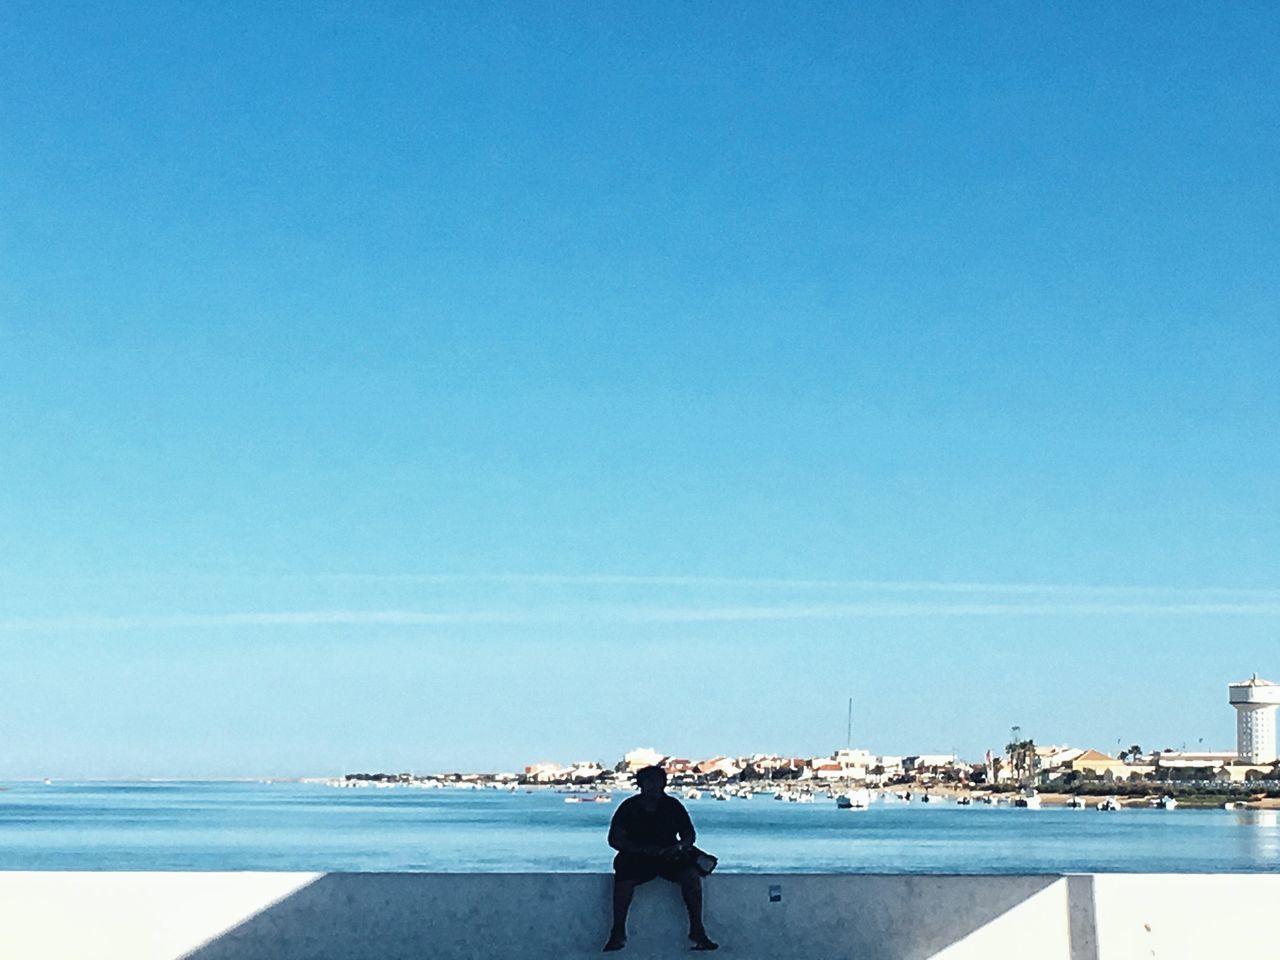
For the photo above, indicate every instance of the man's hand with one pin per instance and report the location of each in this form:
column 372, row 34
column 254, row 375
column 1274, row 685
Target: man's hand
column 673, row 852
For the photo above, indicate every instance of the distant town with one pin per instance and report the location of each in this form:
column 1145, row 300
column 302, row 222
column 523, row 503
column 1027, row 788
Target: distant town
column 1024, row 769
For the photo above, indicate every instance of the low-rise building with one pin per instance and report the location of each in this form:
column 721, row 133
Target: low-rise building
column 928, row 764
column 889, row 766
column 853, row 758
column 544, row 772
column 1220, row 766
column 1051, row 759
column 1174, row 769
column 853, row 764
column 585, row 771
column 640, row 758
column 1095, row 765
column 719, row 767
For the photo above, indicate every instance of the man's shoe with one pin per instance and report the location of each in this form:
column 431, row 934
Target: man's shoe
column 703, row 942
column 615, row 943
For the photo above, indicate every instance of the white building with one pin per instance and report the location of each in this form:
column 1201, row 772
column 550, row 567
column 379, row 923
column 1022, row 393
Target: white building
column 585, row 770
column 544, row 772
column 1255, row 702
column 723, row 766
column 850, row 764
column 853, row 758
column 642, row 757
column 1053, row 758
column 892, row 765
column 928, row 761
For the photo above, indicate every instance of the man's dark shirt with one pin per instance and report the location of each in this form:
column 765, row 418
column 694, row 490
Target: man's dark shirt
column 656, row 829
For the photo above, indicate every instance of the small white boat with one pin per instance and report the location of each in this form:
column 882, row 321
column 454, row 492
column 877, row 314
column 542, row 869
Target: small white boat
column 964, row 801
column 693, row 794
column 1077, row 803
column 1030, row 800
column 1108, row 804
column 1165, row 803
column 858, row 799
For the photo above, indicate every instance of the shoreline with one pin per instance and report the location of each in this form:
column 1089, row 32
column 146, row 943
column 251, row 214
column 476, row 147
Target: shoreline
column 950, row 792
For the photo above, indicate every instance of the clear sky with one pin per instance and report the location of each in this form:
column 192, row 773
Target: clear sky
column 465, row 386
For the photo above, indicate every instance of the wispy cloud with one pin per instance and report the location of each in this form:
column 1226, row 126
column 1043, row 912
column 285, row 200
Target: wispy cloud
column 635, row 614
column 675, row 599
column 965, row 587
column 287, row 618
column 783, row 583
column 843, row 611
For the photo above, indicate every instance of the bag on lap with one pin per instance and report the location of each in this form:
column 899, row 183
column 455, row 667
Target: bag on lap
column 703, row 862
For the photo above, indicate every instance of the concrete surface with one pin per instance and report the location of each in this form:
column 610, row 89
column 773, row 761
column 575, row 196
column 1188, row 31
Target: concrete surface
column 256, row 916
column 1186, row 917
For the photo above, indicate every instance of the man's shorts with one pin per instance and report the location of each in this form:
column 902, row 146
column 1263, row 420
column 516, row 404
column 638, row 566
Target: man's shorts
column 641, row 868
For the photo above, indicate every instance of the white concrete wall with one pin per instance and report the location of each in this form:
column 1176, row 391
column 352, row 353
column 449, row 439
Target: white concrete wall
column 143, row 915
column 1185, row 917
column 255, row 916
column 139, row 916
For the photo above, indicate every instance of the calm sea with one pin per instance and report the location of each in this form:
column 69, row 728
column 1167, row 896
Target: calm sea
column 306, row 827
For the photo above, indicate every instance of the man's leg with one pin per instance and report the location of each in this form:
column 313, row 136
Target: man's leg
column 691, row 890
column 623, row 891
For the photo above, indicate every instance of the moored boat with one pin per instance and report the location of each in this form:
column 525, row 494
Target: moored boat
column 858, row 799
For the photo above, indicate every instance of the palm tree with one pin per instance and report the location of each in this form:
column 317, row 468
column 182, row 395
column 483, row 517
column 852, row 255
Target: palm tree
column 1022, row 756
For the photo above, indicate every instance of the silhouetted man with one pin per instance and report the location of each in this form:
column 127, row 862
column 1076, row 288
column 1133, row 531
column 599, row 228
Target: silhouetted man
column 654, row 837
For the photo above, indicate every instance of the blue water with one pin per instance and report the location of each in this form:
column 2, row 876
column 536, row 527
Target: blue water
column 310, row 827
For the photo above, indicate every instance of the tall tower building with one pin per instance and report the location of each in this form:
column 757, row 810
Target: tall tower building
column 1256, row 702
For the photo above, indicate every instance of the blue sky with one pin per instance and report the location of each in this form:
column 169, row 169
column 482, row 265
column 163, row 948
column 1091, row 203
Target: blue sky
column 465, row 387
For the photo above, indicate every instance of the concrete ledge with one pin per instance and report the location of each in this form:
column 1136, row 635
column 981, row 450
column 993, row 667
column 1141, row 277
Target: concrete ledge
column 256, row 916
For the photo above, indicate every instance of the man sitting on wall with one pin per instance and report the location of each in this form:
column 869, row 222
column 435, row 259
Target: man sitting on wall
column 654, row 837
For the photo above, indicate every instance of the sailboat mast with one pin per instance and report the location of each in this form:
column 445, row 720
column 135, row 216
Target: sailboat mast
column 848, row 727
